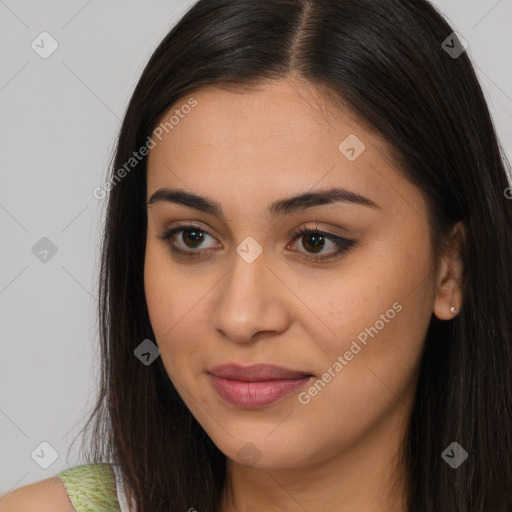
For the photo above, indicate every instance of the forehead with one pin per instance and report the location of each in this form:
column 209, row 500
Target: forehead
column 282, row 137
column 285, row 114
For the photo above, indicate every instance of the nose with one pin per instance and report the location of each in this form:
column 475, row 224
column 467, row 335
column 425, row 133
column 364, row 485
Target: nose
column 251, row 300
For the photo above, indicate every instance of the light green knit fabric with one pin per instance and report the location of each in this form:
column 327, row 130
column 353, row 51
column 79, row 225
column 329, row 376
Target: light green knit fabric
column 91, row 488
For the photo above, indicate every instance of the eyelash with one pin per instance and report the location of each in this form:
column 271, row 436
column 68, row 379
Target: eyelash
column 343, row 244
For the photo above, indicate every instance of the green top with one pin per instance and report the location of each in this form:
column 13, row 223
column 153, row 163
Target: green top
column 91, row 488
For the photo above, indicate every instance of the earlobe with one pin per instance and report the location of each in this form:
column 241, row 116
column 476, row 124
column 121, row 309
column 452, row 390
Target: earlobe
column 449, row 296
column 448, row 300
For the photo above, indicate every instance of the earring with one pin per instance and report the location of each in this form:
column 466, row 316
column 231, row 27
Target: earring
column 452, row 308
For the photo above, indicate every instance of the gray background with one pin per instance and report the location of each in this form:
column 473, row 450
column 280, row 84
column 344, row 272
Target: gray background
column 60, row 117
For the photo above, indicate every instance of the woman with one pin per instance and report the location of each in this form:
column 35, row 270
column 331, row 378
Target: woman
column 306, row 271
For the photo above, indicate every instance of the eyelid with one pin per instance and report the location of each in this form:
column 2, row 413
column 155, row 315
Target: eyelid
column 306, row 226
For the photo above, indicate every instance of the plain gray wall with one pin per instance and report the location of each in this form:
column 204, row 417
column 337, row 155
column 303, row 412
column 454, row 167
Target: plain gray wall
column 60, row 117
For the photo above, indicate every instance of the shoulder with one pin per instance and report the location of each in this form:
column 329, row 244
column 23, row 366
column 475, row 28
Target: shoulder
column 45, row 496
column 79, row 488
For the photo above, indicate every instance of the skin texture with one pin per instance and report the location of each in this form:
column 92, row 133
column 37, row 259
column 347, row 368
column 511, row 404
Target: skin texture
column 246, row 150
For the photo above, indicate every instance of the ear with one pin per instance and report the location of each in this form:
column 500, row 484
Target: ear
column 449, row 278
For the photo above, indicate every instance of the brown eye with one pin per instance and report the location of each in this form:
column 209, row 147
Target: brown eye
column 193, row 243
column 314, row 241
column 192, row 237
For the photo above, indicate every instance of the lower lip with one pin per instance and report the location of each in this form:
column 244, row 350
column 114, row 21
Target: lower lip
column 255, row 394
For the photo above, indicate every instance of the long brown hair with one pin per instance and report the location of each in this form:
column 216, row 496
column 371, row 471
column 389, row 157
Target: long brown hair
column 386, row 60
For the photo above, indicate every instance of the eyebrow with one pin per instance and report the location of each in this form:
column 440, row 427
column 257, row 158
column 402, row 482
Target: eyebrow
column 279, row 208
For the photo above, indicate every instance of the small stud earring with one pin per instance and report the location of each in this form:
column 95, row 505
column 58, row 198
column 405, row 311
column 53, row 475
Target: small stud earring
column 452, row 308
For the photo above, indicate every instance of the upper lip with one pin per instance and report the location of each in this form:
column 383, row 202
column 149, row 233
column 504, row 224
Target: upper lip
column 256, row 372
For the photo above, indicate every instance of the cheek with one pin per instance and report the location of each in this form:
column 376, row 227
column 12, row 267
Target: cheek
column 376, row 292
column 172, row 298
column 380, row 317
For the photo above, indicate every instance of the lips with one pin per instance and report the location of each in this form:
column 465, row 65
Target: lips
column 256, row 373
column 257, row 385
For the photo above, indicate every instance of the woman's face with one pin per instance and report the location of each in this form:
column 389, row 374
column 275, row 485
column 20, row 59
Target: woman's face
column 351, row 324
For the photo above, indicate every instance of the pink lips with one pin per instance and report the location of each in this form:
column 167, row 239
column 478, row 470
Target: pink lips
column 257, row 385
